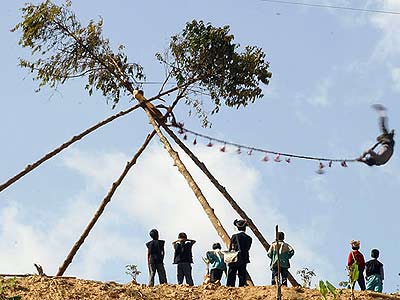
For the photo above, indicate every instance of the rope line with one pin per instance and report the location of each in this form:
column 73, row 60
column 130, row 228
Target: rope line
column 251, row 149
column 334, row 7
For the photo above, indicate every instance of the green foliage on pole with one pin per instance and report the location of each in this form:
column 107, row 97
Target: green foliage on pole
column 202, row 58
column 208, row 55
column 62, row 48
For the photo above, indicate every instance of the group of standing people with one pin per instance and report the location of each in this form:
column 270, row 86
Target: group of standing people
column 218, row 263
column 371, row 270
column 232, row 262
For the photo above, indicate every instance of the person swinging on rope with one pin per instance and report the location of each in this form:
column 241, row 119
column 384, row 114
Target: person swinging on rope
column 385, row 140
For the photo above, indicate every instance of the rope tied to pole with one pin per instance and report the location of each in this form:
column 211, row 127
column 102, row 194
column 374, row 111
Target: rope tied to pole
column 279, row 155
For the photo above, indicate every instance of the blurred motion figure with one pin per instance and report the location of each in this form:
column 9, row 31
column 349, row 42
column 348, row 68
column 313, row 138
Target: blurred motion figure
column 385, row 140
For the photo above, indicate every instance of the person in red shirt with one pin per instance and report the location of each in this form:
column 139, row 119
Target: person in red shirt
column 357, row 256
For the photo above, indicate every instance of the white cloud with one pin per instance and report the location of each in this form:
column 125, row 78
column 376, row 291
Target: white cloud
column 100, row 168
column 389, row 25
column 320, row 96
column 317, row 186
column 396, row 79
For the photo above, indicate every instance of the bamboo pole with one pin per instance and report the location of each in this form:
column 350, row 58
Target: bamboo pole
column 102, row 206
column 49, row 155
column 226, row 194
column 278, row 263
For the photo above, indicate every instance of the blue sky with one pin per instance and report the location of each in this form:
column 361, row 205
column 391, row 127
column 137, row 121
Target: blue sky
column 328, row 67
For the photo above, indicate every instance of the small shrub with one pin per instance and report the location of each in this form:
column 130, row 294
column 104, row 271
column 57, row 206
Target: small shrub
column 132, row 271
column 306, row 276
column 331, row 289
column 344, row 284
column 326, row 288
column 323, row 289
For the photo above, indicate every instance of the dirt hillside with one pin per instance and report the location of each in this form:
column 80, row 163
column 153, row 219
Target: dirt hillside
column 41, row 288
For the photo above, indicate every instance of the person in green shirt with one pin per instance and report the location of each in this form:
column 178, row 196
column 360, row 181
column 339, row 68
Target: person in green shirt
column 286, row 252
column 217, row 265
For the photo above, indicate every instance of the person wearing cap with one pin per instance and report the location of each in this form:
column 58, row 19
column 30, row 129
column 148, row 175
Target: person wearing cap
column 385, row 140
column 183, row 258
column 286, row 252
column 374, row 272
column 356, row 256
column 155, row 258
column 217, row 265
column 239, row 242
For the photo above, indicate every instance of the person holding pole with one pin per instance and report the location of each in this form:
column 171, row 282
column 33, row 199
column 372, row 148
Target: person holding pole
column 280, row 253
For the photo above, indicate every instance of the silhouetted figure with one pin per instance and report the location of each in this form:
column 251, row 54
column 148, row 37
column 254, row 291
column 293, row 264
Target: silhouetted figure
column 239, row 242
column 155, row 258
column 183, row 258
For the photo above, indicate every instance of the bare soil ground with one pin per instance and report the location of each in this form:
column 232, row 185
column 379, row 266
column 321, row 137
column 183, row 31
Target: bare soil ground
column 41, row 288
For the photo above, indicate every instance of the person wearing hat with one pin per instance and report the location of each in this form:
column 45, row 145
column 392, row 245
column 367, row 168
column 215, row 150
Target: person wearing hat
column 155, row 258
column 356, row 256
column 239, row 242
column 286, row 252
column 372, row 158
column 183, row 258
column 374, row 272
column 217, row 266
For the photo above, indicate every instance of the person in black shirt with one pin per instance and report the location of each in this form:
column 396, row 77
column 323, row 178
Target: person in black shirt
column 183, row 258
column 374, row 272
column 155, row 258
column 239, row 242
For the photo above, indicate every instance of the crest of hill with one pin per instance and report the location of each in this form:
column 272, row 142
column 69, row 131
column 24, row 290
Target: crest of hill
column 40, row 288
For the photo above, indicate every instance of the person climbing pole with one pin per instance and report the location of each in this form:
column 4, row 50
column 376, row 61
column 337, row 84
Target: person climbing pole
column 385, row 140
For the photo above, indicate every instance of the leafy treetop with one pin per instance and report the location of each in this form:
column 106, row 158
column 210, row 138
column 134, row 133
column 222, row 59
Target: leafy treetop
column 64, row 49
column 208, row 55
column 202, row 58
